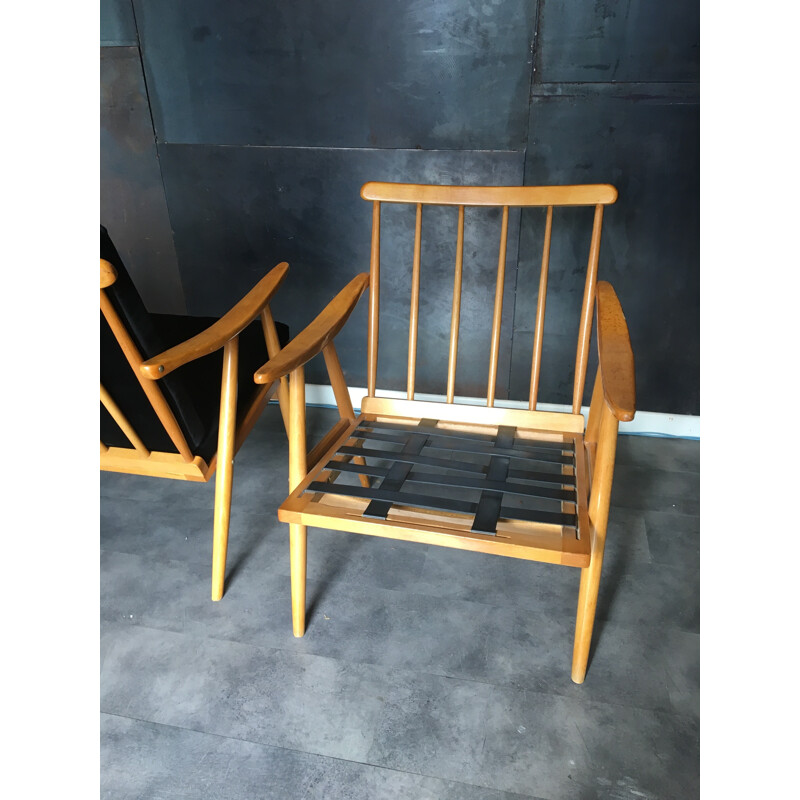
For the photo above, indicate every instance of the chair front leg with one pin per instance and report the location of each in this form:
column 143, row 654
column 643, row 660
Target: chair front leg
column 297, row 472
column 225, row 450
column 598, row 517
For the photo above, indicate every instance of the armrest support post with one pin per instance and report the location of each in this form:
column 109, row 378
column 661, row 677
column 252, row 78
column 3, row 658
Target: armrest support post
column 273, row 348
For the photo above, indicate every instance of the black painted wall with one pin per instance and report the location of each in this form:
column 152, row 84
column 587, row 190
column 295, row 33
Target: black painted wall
column 237, row 134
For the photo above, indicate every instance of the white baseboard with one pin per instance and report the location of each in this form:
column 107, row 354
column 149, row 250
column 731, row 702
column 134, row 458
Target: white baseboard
column 645, row 423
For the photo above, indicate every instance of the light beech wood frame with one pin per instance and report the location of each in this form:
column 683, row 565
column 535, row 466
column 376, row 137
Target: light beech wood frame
column 593, row 440
column 186, row 465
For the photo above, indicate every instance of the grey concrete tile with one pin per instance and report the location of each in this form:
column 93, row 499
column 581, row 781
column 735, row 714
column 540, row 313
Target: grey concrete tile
column 335, row 556
column 659, row 452
column 161, row 762
column 654, row 595
column 673, row 539
column 412, row 655
column 640, row 667
column 635, row 641
column 348, row 781
column 155, row 491
column 141, row 759
column 496, row 580
column 649, row 489
column 176, row 596
column 573, row 749
column 626, row 538
column 354, row 622
column 435, row 726
column 500, row 645
column 181, row 531
column 517, row 740
column 262, row 695
column 681, row 661
column 134, row 591
column 502, row 581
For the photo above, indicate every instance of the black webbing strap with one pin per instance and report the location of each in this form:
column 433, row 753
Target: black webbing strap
column 398, row 472
column 494, row 480
column 458, row 466
column 489, row 503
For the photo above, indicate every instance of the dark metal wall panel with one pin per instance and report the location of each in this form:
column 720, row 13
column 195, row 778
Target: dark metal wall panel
column 132, row 204
column 648, row 147
column 426, row 74
column 117, row 26
column 618, row 40
column 237, row 211
column 341, row 93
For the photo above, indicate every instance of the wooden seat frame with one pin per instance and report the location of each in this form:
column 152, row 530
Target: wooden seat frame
column 184, row 464
column 586, row 448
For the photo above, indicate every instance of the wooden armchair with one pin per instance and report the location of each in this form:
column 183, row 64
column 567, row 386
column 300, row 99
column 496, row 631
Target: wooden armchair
column 517, row 482
column 162, row 412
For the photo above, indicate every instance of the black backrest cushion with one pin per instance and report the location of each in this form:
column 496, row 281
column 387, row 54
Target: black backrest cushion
column 118, row 377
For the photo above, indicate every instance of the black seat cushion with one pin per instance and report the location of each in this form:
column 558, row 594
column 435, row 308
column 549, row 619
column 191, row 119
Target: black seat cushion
column 192, row 391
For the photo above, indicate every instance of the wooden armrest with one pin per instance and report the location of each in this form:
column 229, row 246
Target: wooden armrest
column 222, row 331
column 615, row 353
column 107, row 274
column 317, row 335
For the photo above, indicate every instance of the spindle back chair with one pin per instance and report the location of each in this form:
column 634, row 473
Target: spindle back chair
column 177, row 398
column 518, row 482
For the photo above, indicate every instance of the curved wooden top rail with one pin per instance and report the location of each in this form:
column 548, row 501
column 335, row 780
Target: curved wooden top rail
column 222, row 331
column 616, row 355
column 108, row 275
column 580, row 195
column 317, row 335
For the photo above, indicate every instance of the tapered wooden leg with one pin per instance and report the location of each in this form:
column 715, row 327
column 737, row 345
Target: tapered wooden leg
column 587, row 604
column 297, row 471
column 599, row 502
column 224, row 483
column 297, row 555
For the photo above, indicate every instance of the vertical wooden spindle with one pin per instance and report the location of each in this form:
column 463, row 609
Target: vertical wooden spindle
column 536, row 364
column 582, row 354
column 456, row 312
column 498, row 310
column 413, row 322
column 153, row 392
column 122, row 421
column 374, row 299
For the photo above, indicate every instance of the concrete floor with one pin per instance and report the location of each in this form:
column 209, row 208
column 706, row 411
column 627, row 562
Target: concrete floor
column 425, row 672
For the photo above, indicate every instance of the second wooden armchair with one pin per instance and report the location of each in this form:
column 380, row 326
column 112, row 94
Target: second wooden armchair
column 516, row 482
